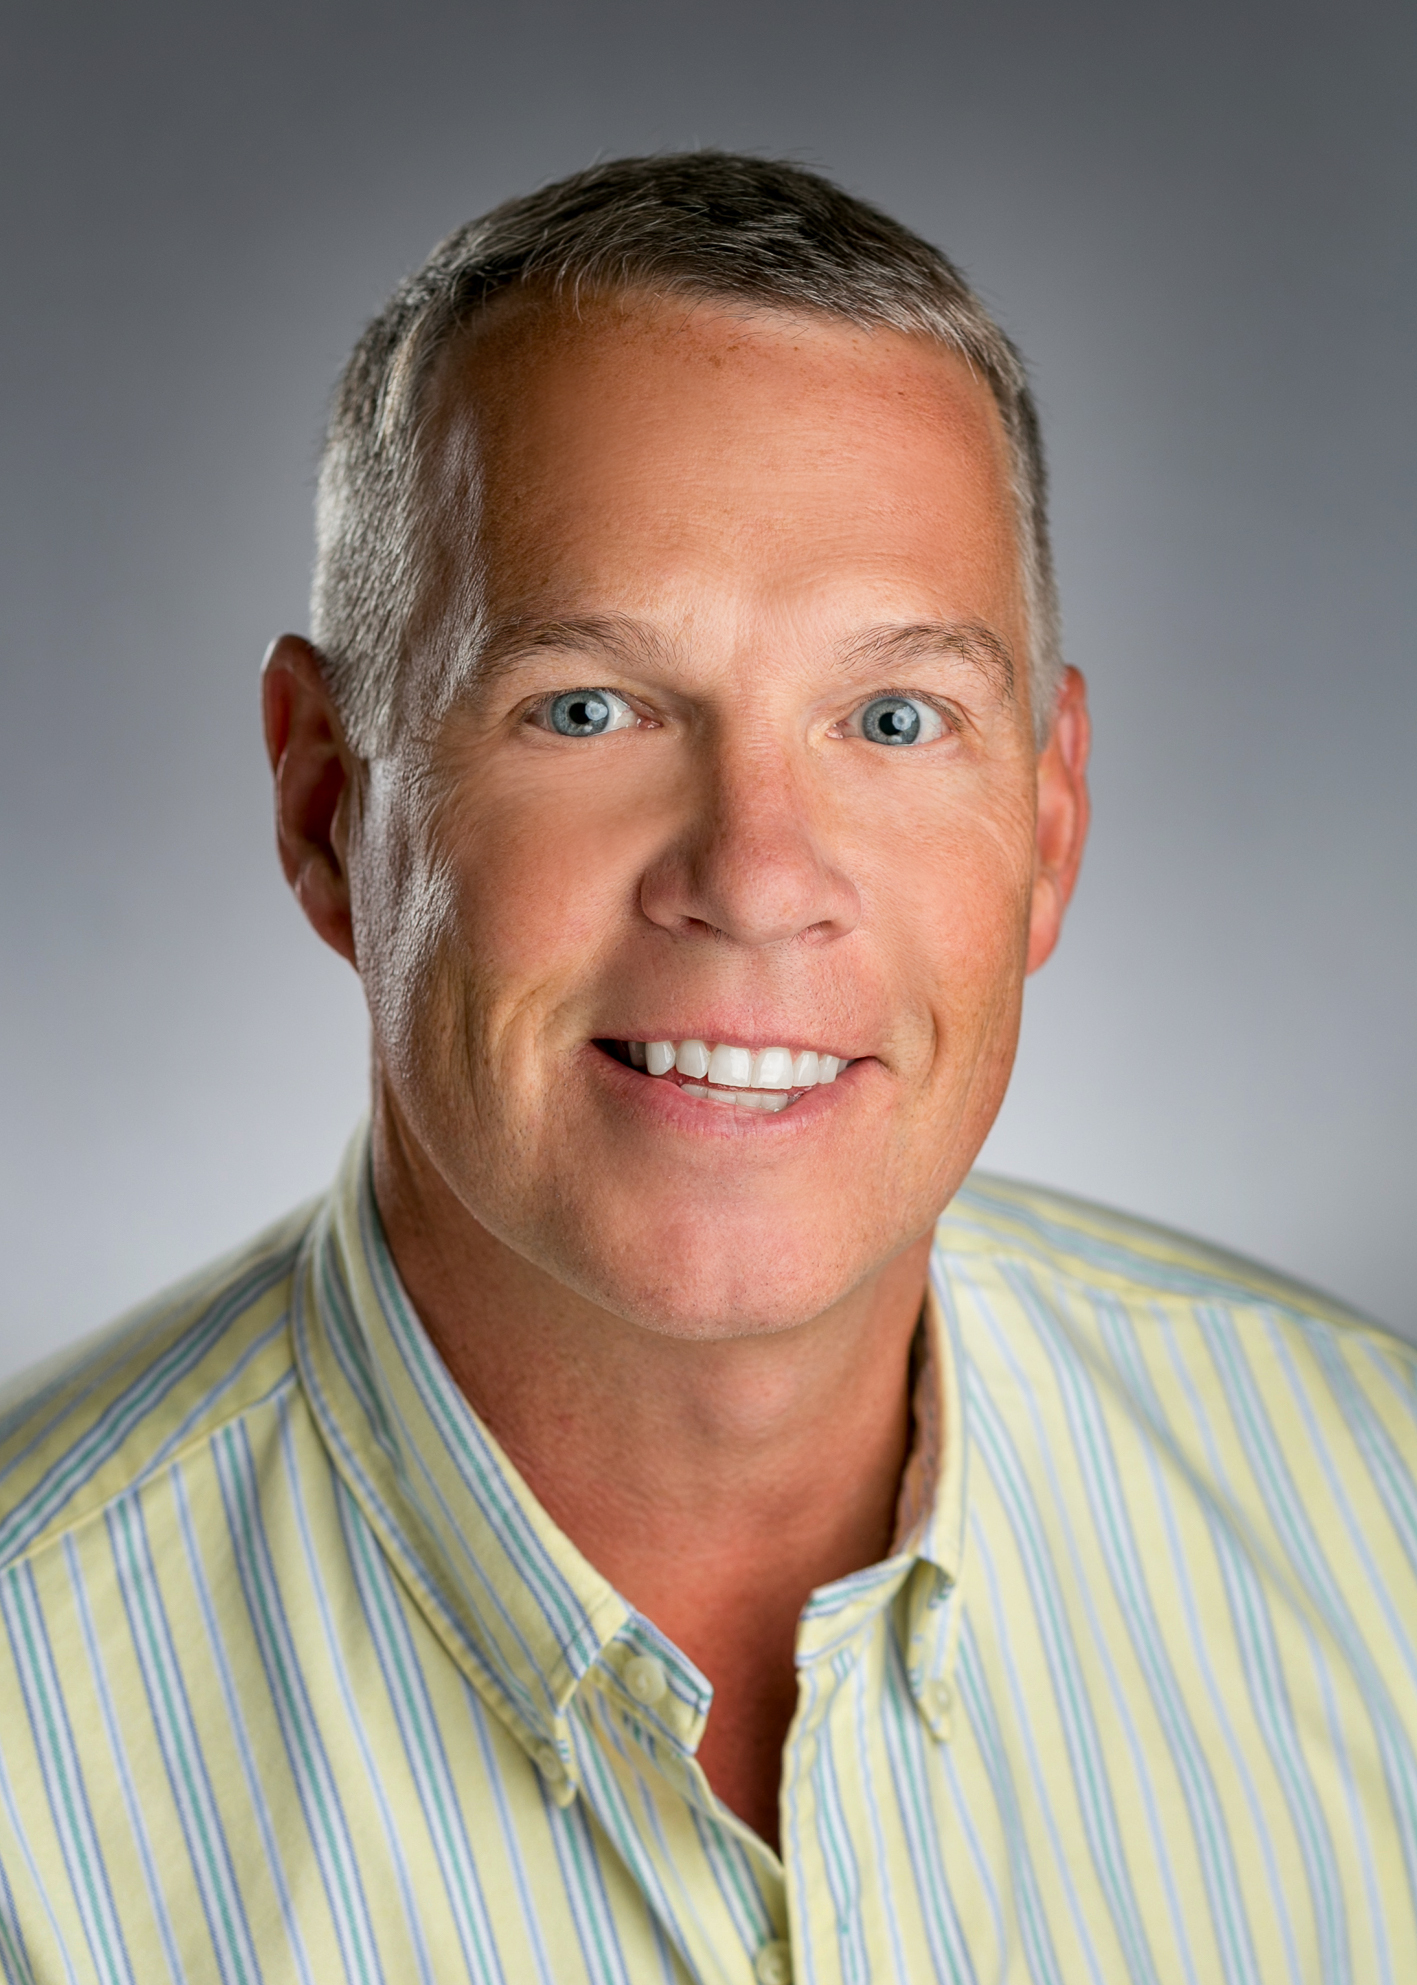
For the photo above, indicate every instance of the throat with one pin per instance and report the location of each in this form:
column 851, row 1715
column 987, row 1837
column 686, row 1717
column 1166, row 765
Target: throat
column 747, row 1653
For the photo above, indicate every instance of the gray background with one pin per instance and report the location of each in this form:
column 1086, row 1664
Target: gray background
column 1197, row 221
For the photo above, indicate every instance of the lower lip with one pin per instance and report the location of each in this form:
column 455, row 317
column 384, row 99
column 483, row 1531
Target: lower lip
column 665, row 1103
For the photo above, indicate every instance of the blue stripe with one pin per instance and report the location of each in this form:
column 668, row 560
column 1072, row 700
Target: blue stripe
column 193, row 1796
column 1034, row 1932
column 20, row 1833
column 326, row 1826
column 910, row 1752
column 113, row 1731
column 255, row 1790
column 509, row 1834
column 1123, row 1339
column 62, row 1772
column 1076, row 1712
column 315, row 1577
column 427, row 1761
column 1107, row 1505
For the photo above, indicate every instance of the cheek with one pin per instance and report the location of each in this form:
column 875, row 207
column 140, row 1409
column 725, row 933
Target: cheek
column 538, row 892
column 958, row 908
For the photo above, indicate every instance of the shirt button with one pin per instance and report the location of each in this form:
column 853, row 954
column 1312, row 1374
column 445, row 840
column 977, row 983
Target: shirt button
column 548, row 1763
column 773, row 1964
column 645, row 1678
column 938, row 1698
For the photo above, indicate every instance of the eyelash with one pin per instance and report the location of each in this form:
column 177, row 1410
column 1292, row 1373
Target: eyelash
column 946, row 712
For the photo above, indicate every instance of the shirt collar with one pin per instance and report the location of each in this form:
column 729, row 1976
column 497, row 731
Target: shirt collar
column 523, row 1614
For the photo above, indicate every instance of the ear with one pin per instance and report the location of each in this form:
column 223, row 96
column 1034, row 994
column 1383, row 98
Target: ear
column 316, row 787
column 1064, row 810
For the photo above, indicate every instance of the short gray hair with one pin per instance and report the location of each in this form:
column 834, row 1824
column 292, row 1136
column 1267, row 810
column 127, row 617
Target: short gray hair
column 708, row 225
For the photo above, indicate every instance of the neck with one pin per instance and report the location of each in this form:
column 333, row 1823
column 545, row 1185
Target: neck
column 715, row 1483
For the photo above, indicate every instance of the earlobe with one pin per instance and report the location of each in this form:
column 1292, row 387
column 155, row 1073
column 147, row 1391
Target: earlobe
column 315, row 776
column 1064, row 810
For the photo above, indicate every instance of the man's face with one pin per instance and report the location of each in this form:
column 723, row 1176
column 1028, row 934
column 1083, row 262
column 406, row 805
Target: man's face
column 770, row 546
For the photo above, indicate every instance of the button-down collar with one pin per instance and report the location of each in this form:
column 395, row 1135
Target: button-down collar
column 518, row 1607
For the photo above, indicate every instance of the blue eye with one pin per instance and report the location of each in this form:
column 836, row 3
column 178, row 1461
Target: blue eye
column 900, row 720
column 588, row 713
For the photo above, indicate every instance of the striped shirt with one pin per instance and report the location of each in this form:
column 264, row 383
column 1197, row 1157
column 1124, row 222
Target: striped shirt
column 298, row 1682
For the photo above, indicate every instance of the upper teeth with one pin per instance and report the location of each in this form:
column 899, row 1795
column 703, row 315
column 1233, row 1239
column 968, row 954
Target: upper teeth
column 736, row 1068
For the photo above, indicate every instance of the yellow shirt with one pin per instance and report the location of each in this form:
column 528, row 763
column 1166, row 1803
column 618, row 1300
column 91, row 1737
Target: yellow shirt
column 299, row 1682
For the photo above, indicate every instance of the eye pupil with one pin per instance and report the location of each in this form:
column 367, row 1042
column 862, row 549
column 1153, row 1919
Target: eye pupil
column 891, row 720
column 579, row 713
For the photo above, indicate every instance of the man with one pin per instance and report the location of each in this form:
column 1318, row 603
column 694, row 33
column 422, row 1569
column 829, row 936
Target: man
column 623, row 1532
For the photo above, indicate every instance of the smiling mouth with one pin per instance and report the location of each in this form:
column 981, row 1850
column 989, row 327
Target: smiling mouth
column 766, row 1079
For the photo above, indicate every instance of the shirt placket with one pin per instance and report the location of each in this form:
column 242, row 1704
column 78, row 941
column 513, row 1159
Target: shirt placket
column 637, row 1721
column 824, row 1934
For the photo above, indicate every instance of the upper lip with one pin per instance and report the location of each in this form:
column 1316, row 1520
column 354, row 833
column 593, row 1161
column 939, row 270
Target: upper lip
column 795, row 1038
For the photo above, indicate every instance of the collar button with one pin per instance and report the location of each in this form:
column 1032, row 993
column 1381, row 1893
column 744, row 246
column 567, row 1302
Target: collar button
column 645, row 1679
column 559, row 1784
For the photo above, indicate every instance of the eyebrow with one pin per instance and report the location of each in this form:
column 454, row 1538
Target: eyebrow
column 618, row 637
column 634, row 643
column 972, row 641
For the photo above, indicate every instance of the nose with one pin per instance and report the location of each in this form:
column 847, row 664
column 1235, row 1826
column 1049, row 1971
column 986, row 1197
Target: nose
column 751, row 861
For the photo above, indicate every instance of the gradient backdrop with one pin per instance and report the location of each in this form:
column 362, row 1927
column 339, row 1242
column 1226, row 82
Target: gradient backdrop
column 1197, row 220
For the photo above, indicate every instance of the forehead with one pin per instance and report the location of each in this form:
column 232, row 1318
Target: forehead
column 647, row 447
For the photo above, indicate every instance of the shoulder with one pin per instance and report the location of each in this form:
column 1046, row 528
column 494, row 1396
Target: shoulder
column 1108, row 1251
column 111, row 1411
column 1046, row 1277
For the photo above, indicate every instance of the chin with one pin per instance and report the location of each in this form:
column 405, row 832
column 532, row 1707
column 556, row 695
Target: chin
column 713, row 1279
